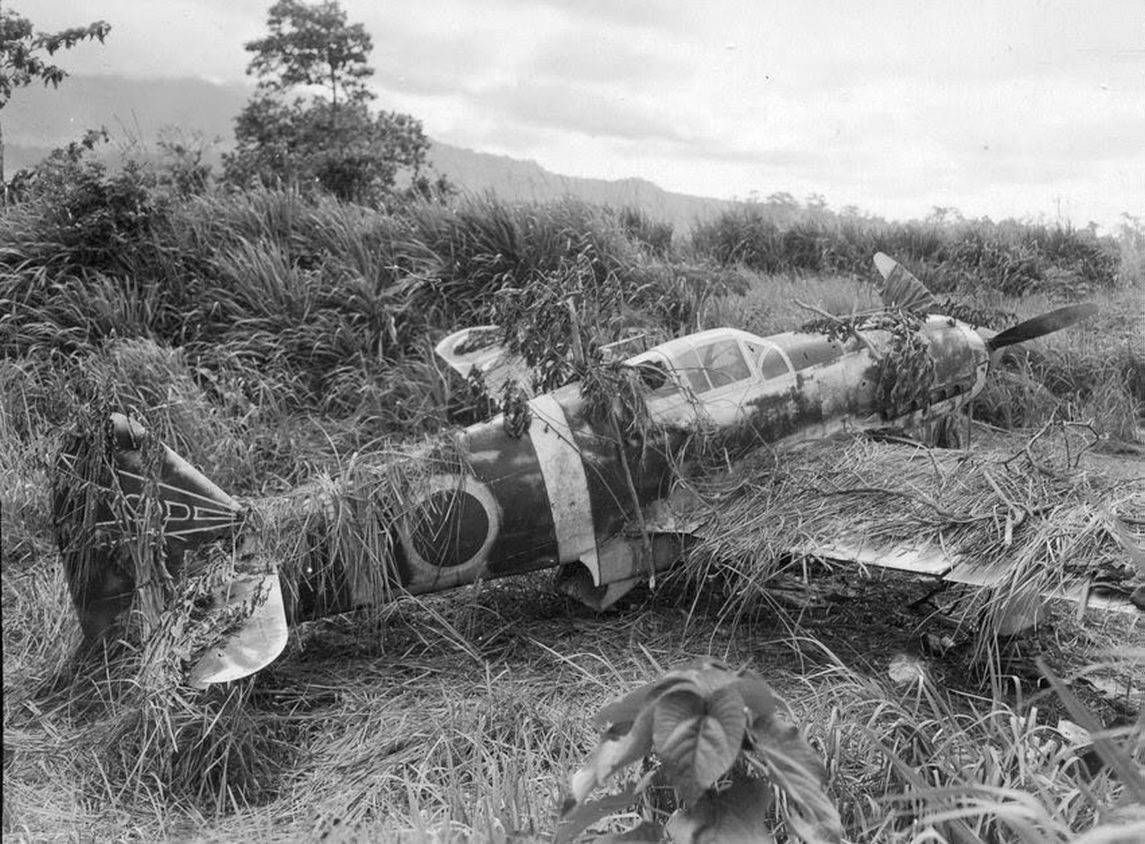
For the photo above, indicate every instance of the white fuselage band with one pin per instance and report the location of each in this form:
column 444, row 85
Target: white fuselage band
column 565, row 481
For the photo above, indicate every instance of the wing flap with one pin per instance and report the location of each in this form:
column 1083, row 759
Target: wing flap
column 926, row 559
column 931, row 560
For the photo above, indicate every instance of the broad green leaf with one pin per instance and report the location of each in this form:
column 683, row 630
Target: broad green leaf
column 706, row 673
column 648, row 832
column 698, row 739
column 757, row 694
column 737, row 814
column 704, row 676
column 624, row 711
column 711, row 675
column 793, row 765
column 783, row 739
column 576, row 820
column 615, row 751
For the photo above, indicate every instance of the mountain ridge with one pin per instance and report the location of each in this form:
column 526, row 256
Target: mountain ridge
column 36, row 121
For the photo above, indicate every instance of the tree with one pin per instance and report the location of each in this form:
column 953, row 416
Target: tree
column 332, row 139
column 22, row 60
column 312, row 45
column 185, row 170
column 942, row 214
column 816, row 203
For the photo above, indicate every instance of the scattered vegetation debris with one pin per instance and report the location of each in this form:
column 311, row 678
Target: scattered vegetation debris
column 938, row 644
column 1119, row 691
column 272, row 335
column 907, row 670
column 906, row 371
column 962, row 502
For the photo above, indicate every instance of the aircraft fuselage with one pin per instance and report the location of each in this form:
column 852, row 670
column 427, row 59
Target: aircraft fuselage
column 565, row 492
column 561, row 490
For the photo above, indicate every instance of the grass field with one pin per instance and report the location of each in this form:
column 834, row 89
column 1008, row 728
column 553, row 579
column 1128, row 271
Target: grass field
column 268, row 339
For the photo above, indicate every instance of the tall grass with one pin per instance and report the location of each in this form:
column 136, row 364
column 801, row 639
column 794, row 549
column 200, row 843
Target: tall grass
column 968, row 767
column 1014, row 258
column 268, row 337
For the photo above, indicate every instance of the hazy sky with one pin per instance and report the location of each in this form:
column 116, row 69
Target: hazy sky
column 1003, row 108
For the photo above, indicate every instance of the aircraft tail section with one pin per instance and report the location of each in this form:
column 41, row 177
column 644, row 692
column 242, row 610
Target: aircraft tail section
column 133, row 519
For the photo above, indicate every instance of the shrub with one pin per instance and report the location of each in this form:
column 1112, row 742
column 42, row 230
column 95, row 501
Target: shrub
column 722, row 740
column 1010, row 257
column 78, row 216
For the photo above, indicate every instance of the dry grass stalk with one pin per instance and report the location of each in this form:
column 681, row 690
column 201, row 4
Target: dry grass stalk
column 1020, row 506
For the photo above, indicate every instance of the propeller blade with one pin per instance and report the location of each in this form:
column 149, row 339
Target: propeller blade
column 1039, row 326
column 900, row 289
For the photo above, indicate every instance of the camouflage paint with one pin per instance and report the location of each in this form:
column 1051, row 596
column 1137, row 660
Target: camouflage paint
column 505, row 486
column 99, row 572
column 559, row 493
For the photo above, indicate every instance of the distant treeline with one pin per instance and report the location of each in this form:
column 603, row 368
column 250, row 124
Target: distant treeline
column 1011, row 257
column 327, row 291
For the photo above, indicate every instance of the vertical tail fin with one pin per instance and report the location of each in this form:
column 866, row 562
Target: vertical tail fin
column 132, row 519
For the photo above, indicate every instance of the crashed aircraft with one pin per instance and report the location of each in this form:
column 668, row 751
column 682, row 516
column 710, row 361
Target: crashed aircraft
column 552, row 487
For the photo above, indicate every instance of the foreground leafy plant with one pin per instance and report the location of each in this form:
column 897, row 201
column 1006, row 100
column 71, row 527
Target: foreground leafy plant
column 723, row 741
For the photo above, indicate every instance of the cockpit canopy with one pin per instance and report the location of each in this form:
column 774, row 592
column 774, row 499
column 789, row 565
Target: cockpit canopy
column 713, row 360
column 709, row 361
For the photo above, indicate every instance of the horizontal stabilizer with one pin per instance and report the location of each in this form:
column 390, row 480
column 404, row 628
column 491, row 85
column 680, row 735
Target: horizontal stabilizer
column 254, row 645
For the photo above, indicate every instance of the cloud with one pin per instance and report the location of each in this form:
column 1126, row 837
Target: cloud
column 647, row 13
column 606, row 59
column 511, row 45
column 904, row 105
column 582, row 111
column 175, row 38
column 444, row 64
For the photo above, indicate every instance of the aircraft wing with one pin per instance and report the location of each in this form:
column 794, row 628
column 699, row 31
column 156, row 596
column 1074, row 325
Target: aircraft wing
column 479, row 348
column 932, row 560
column 918, row 559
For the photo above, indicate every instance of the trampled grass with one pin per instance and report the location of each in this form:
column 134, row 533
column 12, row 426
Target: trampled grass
column 269, row 339
column 459, row 718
